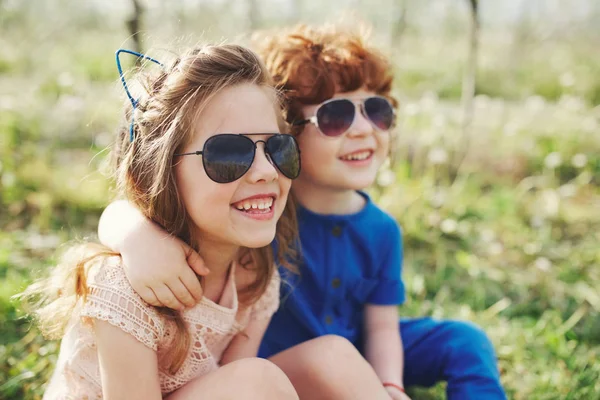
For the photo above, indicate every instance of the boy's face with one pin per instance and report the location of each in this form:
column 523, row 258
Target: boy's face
column 346, row 162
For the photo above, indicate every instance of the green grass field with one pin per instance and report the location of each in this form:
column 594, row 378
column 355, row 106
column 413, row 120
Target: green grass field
column 510, row 240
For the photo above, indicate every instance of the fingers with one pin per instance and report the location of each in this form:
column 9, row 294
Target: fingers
column 167, row 298
column 148, row 296
column 195, row 261
column 181, row 292
column 192, row 284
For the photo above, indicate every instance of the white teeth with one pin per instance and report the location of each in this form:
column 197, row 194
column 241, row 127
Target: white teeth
column 363, row 155
column 262, row 204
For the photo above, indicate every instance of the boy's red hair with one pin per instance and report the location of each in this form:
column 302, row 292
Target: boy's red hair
column 311, row 64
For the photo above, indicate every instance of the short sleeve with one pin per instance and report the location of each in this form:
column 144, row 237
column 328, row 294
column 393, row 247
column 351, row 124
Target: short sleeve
column 112, row 299
column 390, row 288
column 268, row 303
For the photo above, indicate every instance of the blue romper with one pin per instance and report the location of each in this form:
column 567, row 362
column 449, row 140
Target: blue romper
column 348, row 261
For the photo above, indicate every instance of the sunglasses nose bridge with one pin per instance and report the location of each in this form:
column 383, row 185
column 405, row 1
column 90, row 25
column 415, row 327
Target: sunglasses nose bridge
column 259, row 172
column 361, row 125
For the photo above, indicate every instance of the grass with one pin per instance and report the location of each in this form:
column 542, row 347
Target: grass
column 509, row 240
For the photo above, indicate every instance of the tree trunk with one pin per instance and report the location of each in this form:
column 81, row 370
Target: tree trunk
column 469, row 84
column 134, row 25
column 253, row 15
column 399, row 24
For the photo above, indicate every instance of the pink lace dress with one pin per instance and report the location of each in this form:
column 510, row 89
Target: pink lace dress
column 212, row 327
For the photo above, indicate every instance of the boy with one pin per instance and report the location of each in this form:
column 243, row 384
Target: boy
column 337, row 100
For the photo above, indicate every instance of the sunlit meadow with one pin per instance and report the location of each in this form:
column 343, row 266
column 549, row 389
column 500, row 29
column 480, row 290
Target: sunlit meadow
column 501, row 219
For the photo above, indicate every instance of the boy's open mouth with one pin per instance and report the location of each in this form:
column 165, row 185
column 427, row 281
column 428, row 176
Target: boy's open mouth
column 360, row 155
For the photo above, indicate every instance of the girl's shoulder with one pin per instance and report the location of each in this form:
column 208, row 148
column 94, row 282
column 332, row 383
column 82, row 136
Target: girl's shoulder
column 111, row 298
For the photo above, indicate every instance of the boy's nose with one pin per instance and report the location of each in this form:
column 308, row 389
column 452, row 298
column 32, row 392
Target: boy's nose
column 361, row 126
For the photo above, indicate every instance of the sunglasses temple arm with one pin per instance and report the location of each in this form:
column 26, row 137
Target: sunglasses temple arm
column 300, row 123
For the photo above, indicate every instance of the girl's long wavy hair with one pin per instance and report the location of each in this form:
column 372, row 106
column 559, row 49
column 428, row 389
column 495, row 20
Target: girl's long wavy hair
column 144, row 174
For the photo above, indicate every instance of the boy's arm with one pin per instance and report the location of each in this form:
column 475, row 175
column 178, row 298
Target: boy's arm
column 383, row 346
column 124, row 363
column 159, row 267
column 383, row 343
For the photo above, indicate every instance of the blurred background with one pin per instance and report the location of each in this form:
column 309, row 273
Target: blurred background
column 496, row 181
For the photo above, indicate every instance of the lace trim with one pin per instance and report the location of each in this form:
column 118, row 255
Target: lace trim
column 113, row 300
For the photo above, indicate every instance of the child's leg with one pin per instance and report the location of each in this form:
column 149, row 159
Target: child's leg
column 453, row 351
column 249, row 378
column 329, row 367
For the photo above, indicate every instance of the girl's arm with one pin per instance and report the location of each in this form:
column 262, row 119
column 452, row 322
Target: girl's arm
column 246, row 344
column 383, row 346
column 161, row 268
column 128, row 368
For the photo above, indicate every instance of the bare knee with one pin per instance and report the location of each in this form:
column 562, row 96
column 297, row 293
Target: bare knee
column 336, row 349
column 335, row 358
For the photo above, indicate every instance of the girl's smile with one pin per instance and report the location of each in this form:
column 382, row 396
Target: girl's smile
column 259, row 207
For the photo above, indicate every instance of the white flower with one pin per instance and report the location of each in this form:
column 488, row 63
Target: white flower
column 386, row 178
column 567, row 79
column 510, row 129
column 543, row 264
column 567, row 190
column 487, row 235
column 531, row 248
column 589, row 124
column 429, row 100
column 495, row 249
column 448, row 226
column 579, row 160
column 411, row 109
column 437, row 156
column 482, row 101
column 553, row 160
column 8, row 179
column 535, row 103
column 65, row 80
column 433, row 219
column 550, row 202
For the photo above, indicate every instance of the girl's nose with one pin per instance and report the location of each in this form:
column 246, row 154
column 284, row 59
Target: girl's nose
column 262, row 169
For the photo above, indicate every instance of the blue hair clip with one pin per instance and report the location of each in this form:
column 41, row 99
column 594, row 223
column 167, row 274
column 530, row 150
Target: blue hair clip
column 133, row 101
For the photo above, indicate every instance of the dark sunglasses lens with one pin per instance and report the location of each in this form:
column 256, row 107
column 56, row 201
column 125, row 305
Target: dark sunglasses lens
column 336, row 117
column 380, row 112
column 284, row 153
column 227, row 158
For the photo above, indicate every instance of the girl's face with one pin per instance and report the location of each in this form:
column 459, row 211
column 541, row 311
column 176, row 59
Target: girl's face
column 346, row 162
column 243, row 212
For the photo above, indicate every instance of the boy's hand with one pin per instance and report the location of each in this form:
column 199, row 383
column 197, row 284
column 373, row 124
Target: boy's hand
column 162, row 269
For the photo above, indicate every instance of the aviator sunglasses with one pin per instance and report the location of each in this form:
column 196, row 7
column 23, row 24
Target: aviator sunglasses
column 335, row 117
column 227, row 157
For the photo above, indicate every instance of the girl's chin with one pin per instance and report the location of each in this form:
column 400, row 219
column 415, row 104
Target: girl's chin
column 257, row 239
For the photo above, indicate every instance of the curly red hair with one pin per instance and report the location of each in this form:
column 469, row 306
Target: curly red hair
column 311, row 64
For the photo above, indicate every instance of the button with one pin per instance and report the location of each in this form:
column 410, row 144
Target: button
column 335, row 283
column 336, row 231
column 328, row 320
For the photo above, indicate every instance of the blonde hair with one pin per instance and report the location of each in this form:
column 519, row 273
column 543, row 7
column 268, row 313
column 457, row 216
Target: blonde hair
column 144, row 174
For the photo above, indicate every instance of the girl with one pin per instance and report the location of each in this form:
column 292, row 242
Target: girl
column 208, row 164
